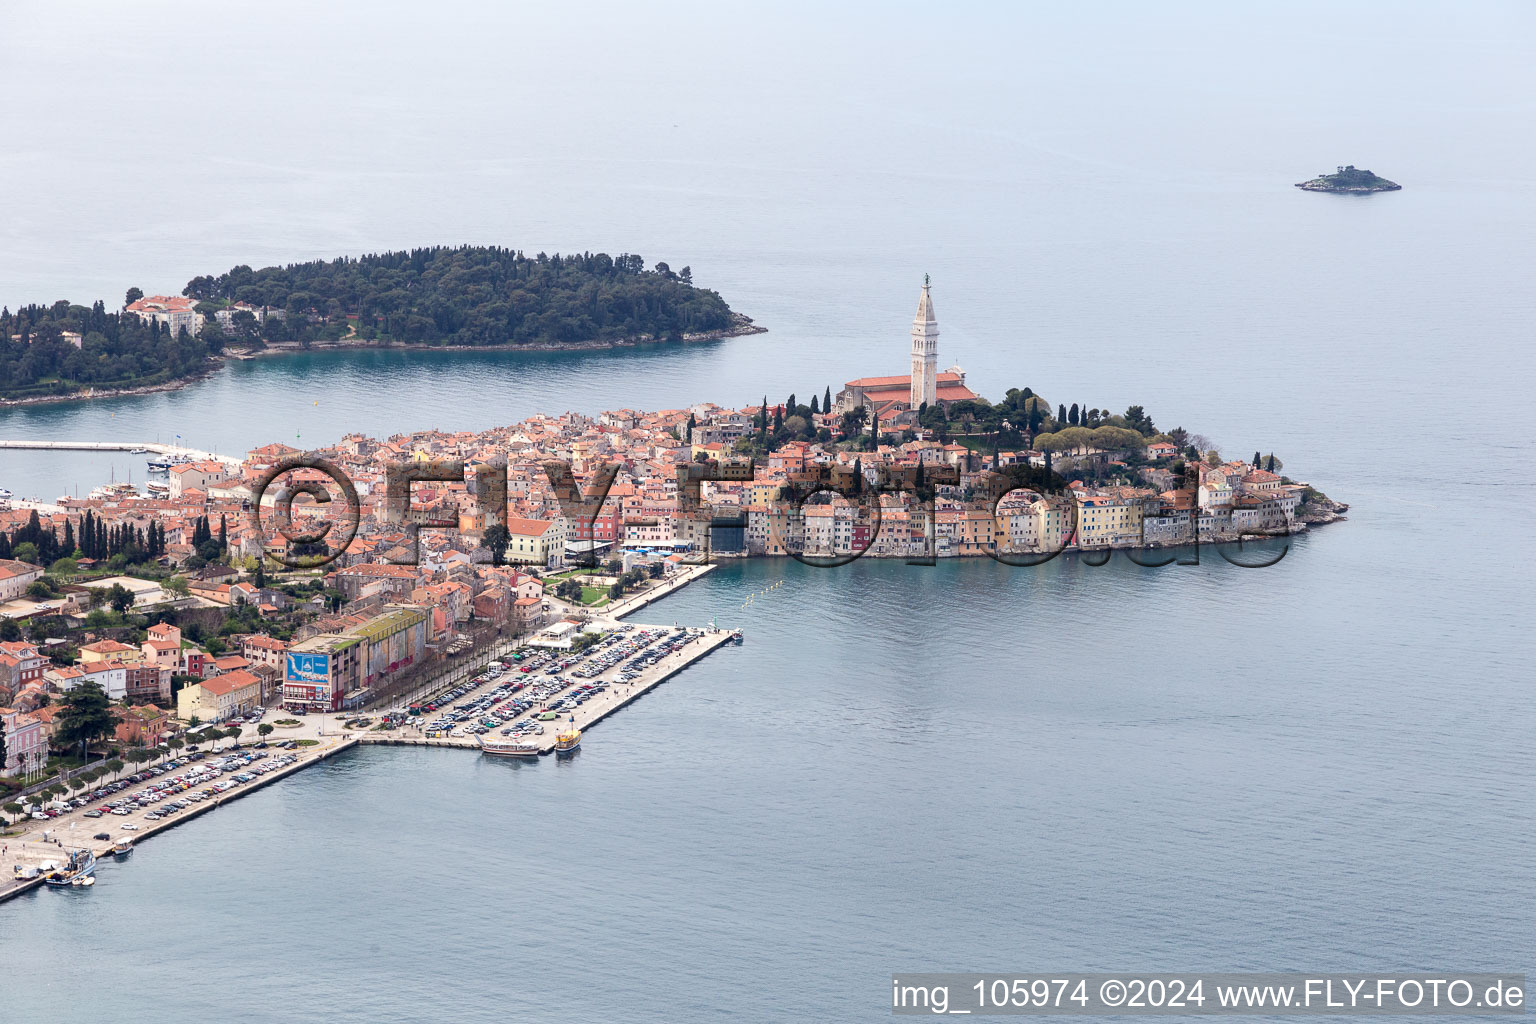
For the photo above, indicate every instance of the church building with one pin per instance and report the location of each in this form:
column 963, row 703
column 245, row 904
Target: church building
column 897, row 399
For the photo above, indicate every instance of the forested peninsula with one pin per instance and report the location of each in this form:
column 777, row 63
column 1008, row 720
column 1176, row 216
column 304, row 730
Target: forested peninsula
column 473, row 296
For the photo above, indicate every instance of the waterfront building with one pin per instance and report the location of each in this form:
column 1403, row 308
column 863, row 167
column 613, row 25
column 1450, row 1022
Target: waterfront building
column 176, row 312
column 320, row 670
column 219, row 698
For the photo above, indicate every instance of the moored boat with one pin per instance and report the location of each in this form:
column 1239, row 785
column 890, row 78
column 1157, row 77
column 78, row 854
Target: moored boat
column 81, row 864
column 122, row 848
column 568, row 741
column 508, row 747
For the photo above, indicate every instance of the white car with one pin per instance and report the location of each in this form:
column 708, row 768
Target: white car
column 129, row 827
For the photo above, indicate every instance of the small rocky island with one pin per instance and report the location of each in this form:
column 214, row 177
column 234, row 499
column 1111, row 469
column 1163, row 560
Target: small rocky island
column 1349, row 179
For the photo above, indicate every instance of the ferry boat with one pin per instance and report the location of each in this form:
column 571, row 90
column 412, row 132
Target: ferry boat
column 158, row 490
column 122, row 848
column 569, row 741
column 508, row 747
column 162, row 464
column 82, row 863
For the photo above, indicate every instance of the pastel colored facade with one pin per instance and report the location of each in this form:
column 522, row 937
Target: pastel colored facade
column 20, row 664
column 26, row 742
column 536, row 541
column 176, row 312
column 200, row 476
column 109, row 650
column 16, row 577
column 220, row 698
column 264, row 650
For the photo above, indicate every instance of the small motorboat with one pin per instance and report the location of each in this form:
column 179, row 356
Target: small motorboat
column 122, row 848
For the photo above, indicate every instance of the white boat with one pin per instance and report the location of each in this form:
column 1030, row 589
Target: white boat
column 82, row 864
column 161, row 464
column 122, row 848
column 508, row 747
column 5, row 493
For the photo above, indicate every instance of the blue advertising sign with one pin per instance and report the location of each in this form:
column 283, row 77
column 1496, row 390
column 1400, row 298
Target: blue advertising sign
column 309, row 668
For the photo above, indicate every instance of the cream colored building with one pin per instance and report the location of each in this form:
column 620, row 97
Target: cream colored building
column 219, row 698
column 536, row 541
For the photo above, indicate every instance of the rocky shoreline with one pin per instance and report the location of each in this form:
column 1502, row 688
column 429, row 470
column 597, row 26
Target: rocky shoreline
column 742, row 328
column 1323, row 511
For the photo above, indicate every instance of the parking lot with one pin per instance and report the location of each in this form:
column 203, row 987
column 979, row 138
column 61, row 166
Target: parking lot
column 533, row 690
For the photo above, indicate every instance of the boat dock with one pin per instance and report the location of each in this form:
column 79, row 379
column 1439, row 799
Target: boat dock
column 616, row 696
column 176, row 451
column 51, row 840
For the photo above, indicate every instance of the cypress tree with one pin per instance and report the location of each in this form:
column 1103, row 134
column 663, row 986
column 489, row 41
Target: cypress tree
column 1072, row 415
column 826, row 400
column 1271, row 466
column 223, row 532
column 814, row 410
column 1255, row 460
column 1061, row 416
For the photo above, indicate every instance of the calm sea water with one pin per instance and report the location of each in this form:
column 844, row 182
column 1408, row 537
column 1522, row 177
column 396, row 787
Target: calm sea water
column 1322, row 764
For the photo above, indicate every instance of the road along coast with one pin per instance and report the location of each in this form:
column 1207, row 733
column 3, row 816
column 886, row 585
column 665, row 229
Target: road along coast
column 609, row 680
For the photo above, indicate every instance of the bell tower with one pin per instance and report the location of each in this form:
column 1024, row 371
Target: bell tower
column 925, row 351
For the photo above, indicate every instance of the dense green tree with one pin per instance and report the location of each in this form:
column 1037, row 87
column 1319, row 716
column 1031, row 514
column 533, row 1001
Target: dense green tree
column 84, row 716
column 120, row 598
